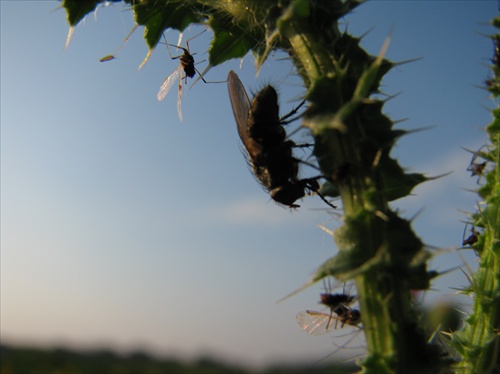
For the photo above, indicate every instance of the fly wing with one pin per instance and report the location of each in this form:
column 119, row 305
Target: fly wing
column 241, row 108
column 179, row 98
column 315, row 323
column 167, row 84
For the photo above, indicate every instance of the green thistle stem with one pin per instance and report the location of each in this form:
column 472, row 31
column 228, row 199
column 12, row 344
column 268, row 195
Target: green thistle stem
column 389, row 320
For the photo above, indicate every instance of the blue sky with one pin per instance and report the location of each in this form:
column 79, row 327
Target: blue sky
column 121, row 227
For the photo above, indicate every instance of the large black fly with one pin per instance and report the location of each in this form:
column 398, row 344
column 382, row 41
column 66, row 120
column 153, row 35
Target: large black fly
column 264, row 138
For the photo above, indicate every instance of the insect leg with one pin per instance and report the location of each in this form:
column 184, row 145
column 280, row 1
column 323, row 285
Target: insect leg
column 284, row 120
column 312, row 184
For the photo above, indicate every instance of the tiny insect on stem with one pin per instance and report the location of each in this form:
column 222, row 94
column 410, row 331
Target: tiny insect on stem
column 473, row 237
column 477, row 168
column 317, row 323
column 338, row 303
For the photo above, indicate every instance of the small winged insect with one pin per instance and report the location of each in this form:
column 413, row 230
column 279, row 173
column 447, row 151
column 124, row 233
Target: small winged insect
column 317, row 323
column 338, row 303
column 477, row 168
column 472, row 239
column 187, row 66
column 264, row 139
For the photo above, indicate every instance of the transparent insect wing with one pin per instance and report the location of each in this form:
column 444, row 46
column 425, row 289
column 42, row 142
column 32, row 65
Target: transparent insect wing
column 179, row 98
column 239, row 100
column 168, row 83
column 315, row 323
column 241, row 109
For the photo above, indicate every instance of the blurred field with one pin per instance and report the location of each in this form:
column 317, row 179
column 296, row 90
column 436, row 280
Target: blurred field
column 27, row 360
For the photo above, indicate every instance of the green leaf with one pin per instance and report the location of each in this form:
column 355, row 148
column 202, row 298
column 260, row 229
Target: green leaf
column 158, row 17
column 77, row 9
column 397, row 183
column 230, row 41
column 301, row 8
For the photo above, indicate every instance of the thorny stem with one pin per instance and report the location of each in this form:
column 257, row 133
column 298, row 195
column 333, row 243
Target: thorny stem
column 389, row 320
column 478, row 342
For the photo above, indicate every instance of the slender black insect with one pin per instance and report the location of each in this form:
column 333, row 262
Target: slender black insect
column 186, row 65
column 264, row 138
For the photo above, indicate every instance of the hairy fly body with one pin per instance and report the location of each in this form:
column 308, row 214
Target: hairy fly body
column 268, row 151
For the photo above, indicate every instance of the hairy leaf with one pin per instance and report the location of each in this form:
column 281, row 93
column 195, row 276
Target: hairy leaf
column 156, row 18
column 230, row 41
